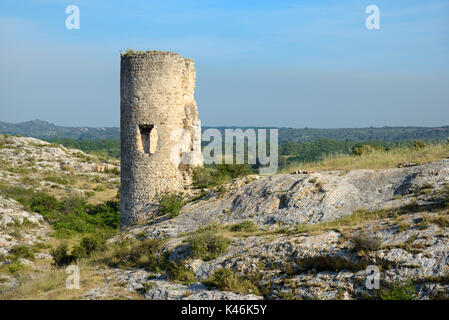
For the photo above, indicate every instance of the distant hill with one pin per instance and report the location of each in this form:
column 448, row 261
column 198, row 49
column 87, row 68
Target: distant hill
column 386, row 134
column 49, row 131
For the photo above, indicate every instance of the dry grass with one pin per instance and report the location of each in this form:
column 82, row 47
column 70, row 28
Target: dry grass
column 49, row 282
column 102, row 196
column 232, row 231
column 378, row 159
column 51, row 285
column 359, row 217
column 229, row 280
column 362, row 216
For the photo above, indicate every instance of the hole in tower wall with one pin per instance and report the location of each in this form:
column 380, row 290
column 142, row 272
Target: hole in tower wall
column 148, row 138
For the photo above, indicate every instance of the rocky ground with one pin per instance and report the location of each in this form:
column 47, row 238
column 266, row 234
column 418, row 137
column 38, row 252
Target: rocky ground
column 327, row 264
column 315, row 234
column 19, row 228
column 37, row 164
column 292, row 199
column 154, row 286
column 59, row 171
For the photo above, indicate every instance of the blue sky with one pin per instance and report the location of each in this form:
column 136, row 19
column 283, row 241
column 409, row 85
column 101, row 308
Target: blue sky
column 259, row 63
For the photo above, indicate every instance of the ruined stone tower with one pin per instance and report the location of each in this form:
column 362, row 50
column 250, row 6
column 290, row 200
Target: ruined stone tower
column 160, row 129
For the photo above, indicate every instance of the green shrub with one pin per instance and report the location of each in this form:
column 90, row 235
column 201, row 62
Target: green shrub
column 65, row 167
column 76, row 216
column 206, row 178
column 404, row 226
column 418, row 144
column 43, row 203
column 19, row 170
column 442, row 221
column 399, row 291
column 244, row 226
column 234, row 170
column 100, row 188
column 14, row 267
column 177, row 271
column 148, row 286
column 221, row 189
column 140, row 254
column 207, row 245
column 73, row 215
column 211, row 177
column 366, row 242
column 22, row 252
column 26, row 180
column 113, row 171
column 108, row 213
column 61, row 257
column 325, row 262
column 362, row 149
column 227, row 280
column 100, row 147
column 58, row 178
column 97, row 179
column 171, row 203
column 87, row 246
column 413, row 206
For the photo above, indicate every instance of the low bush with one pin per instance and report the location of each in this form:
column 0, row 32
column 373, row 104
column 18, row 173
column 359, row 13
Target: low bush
column 244, row 226
column 99, row 188
column 207, row 245
column 365, row 242
column 22, row 251
column 419, row 144
column 61, row 256
column 363, row 149
column 147, row 286
column 69, row 216
column 207, row 178
column 113, row 171
column 65, row 167
column 211, row 177
column 234, row 170
column 43, row 203
column 77, row 216
column 87, row 246
column 227, row 280
column 177, row 271
column 65, row 179
column 399, row 291
column 14, row 267
column 326, row 262
column 171, row 204
column 442, row 221
column 140, row 254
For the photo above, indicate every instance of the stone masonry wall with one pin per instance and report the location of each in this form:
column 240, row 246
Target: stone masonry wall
column 159, row 127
